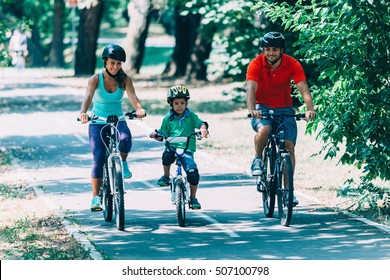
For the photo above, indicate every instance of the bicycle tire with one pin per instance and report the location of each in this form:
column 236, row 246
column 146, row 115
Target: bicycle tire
column 269, row 191
column 106, row 195
column 119, row 200
column 180, row 203
column 285, row 191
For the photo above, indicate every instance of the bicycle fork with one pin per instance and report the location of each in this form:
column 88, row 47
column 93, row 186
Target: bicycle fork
column 181, row 180
column 110, row 173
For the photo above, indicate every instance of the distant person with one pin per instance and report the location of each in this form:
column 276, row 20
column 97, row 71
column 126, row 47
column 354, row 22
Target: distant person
column 106, row 90
column 181, row 122
column 18, row 49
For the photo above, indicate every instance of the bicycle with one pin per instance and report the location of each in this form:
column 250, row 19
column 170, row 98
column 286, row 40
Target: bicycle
column 19, row 60
column 112, row 188
column 277, row 177
column 178, row 184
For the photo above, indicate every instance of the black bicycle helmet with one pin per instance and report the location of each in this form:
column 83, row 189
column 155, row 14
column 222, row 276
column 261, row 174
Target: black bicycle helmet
column 114, row 51
column 177, row 92
column 273, row 39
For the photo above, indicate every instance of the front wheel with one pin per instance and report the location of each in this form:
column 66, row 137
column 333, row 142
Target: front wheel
column 285, row 191
column 267, row 182
column 180, row 203
column 119, row 200
column 106, row 195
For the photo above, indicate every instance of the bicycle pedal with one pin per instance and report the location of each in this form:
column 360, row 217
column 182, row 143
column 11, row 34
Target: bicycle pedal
column 260, row 188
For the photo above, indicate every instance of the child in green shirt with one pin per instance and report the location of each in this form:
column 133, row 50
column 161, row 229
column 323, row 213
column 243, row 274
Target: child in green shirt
column 181, row 122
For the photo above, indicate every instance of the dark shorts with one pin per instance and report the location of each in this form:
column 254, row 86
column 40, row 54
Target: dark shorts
column 289, row 124
column 187, row 160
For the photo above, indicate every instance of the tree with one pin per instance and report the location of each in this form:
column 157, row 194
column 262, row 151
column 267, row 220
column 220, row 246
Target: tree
column 88, row 32
column 193, row 41
column 57, row 46
column 349, row 42
column 140, row 13
column 32, row 16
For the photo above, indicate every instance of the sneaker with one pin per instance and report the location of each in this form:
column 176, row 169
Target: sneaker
column 96, row 204
column 257, row 167
column 126, row 171
column 194, row 204
column 163, row 181
column 295, row 201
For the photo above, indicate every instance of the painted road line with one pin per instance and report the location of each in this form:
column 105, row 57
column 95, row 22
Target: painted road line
column 222, row 227
column 82, row 139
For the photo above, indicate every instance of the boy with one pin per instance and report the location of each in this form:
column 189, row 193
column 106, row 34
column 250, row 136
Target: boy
column 181, row 122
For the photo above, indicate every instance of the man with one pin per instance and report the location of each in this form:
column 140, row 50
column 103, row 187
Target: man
column 268, row 80
column 18, row 48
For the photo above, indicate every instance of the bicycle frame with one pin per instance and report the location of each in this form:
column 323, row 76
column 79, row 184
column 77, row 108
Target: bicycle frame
column 112, row 190
column 278, row 181
column 178, row 184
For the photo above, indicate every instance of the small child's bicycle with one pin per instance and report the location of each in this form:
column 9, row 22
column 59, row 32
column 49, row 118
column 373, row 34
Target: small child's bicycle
column 112, row 188
column 178, row 184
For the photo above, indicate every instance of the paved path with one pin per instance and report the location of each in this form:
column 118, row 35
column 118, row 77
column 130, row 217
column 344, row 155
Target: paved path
column 38, row 127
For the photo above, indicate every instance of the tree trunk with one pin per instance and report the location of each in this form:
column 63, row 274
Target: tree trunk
column 35, row 49
column 57, row 46
column 192, row 47
column 88, row 33
column 185, row 35
column 201, row 52
column 140, row 12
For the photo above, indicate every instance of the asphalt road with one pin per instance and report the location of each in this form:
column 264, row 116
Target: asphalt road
column 38, row 126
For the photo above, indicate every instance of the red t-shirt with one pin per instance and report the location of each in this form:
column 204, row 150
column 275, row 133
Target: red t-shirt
column 274, row 86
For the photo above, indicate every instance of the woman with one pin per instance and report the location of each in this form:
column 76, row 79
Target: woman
column 106, row 91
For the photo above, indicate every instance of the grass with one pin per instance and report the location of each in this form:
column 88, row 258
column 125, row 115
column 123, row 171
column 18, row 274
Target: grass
column 31, row 238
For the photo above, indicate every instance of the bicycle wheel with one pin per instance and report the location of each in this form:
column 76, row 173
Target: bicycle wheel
column 119, row 200
column 180, row 203
column 285, row 191
column 106, row 195
column 268, row 189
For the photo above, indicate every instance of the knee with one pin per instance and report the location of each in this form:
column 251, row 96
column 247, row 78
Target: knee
column 263, row 133
column 193, row 176
column 290, row 147
column 168, row 158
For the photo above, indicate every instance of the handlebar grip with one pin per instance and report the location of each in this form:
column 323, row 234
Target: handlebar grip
column 132, row 115
column 78, row 119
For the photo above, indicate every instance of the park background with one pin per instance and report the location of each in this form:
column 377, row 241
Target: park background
column 207, row 46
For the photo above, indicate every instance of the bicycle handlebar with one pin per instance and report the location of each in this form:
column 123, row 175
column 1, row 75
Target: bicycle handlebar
column 271, row 115
column 113, row 118
column 178, row 139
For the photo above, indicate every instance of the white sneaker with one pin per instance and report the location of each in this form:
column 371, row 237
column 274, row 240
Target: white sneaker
column 257, row 167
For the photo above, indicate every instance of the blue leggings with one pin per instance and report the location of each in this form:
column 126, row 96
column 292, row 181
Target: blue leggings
column 99, row 150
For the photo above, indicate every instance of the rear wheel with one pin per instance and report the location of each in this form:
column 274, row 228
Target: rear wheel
column 286, row 192
column 180, row 203
column 106, row 195
column 267, row 182
column 119, row 200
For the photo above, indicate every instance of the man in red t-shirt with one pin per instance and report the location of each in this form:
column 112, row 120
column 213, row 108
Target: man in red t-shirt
column 268, row 86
